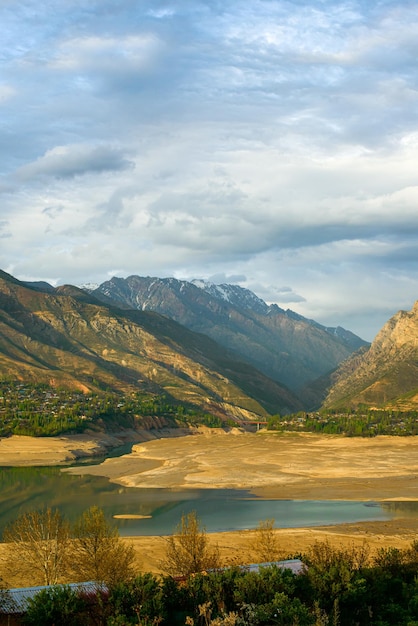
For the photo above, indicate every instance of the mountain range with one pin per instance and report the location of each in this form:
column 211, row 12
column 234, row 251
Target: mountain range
column 64, row 336
column 216, row 347
column 282, row 344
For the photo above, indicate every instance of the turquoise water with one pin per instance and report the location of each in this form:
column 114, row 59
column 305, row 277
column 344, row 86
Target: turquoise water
column 24, row 489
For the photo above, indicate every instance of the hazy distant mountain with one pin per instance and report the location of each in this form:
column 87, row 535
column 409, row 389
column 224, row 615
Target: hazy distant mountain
column 282, row 344
column 65, row 336
column 386, row 375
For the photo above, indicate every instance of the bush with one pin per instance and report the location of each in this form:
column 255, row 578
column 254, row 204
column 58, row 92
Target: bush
column 56, row 605
column 139, row 599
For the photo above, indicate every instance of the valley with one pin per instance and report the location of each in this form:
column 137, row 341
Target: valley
column 96, row 371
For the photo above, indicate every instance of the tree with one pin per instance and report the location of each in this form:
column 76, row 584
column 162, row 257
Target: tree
column 188, row 550
column 98, row 553
column 38, row 546
column 140, row 598
column 265, row 545
column 336, row 578
column 56, row 605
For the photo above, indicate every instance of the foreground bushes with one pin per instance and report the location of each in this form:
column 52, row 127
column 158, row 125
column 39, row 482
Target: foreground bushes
column 338, row 588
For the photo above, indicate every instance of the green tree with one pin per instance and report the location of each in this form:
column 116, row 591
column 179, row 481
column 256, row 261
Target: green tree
column 338, row 575
column 56, row 605
column 188, row 550
column 98, row 553
column 38, row 545
column 137, row 599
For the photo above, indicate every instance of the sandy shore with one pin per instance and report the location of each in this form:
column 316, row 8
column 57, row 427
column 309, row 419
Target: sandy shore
column 20, row 451
column 295, row 466
column 235, row 547
column 288, row 466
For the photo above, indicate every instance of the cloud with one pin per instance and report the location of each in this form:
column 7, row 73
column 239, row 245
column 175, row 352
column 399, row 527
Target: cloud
column 271, row 144
column 6, row 92
column 101, row 54
column 4, row 233
column 75, row 160
column 231, row 279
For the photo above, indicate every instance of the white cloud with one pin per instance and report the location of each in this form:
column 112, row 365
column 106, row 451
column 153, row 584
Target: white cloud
column 96, row 55
column 6, row 92
column 275, row 142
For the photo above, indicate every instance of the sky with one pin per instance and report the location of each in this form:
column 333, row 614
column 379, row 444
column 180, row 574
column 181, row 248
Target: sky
column 271, row 144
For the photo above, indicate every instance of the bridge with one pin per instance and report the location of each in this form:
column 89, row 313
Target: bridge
column 257, row 423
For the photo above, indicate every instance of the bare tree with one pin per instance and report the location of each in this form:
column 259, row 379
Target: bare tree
column 38, row 546
column 98, row 553
column 188, row 550
column 265, row 545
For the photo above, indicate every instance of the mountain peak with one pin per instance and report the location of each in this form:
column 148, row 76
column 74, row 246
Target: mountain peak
column 288, row 348
column 234, row 294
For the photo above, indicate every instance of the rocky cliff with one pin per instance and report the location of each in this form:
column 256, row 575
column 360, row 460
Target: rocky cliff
column 386, row 375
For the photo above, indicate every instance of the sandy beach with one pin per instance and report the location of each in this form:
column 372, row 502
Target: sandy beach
column 272, row 465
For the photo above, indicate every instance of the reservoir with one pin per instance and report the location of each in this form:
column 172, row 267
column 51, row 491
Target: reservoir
column 27, row 488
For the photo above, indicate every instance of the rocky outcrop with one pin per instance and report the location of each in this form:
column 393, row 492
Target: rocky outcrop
column 386, row 375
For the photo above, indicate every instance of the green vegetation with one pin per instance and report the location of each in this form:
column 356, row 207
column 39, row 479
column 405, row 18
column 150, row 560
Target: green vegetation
column 360, row 422
column 56, row 605
column 40, row 410
column 336, row 587
column 36, row 409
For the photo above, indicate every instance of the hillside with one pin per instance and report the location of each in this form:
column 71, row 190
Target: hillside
column 386, row 375
column 66, row 337
column 282, row 344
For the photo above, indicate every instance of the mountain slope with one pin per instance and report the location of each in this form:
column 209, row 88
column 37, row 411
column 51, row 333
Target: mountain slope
column 282, row 344
column 67, row 337
column 386, row 375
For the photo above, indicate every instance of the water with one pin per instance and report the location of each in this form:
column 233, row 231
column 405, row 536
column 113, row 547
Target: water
column 24, row 489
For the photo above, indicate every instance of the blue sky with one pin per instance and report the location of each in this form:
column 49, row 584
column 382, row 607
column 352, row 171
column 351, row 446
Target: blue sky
column 271, row 144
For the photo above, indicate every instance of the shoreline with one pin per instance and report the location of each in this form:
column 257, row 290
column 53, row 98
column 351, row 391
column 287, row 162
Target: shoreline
column 294, row 466
column 234, row 545
column 290, row 466
column 62, row 450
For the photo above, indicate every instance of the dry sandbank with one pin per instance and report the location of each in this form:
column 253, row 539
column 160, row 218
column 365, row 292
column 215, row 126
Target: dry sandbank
column 19, row 450
column 272, row 465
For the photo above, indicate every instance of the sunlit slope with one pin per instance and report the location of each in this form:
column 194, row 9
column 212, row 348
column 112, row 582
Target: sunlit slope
column 386, row 375
column 67, row 337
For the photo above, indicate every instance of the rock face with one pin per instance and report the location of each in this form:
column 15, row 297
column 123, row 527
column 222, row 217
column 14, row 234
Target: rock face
column 386, row 375
column 67, row 337
column 282, row 344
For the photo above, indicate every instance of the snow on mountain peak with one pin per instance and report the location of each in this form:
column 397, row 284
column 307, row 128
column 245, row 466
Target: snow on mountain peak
column 234, row 294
